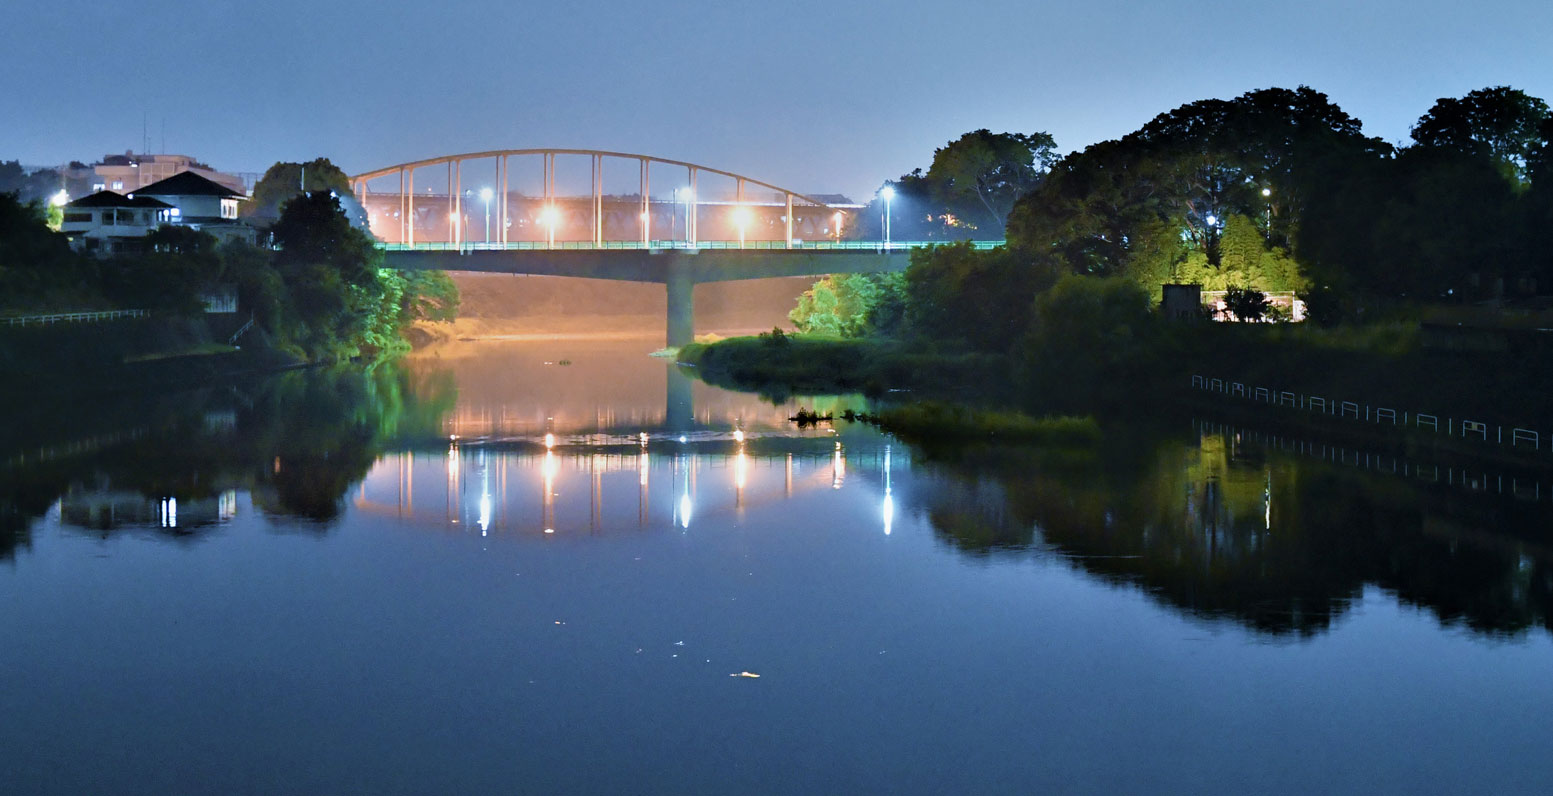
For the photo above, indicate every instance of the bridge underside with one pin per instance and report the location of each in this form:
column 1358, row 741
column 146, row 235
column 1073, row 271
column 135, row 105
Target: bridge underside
column 680, row 270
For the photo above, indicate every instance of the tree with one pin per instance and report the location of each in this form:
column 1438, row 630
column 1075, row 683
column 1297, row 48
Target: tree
column 1499, row 123
column 283, row 181
column 1245, row 303
column 981, row 298
column 330, row 270
column 980, row 175
column 1088, row 339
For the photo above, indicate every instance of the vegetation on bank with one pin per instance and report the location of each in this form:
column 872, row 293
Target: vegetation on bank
column 318, row 294
column 1276, row 190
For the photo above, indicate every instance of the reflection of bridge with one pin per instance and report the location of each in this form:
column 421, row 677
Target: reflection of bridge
column 493, row 490
column 616, row 235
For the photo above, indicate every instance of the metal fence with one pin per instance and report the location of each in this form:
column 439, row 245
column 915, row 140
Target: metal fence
column 73, row 317
column 1516, row 437
column 1525, row 486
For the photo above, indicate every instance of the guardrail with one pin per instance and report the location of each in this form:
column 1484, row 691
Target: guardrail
column 636, row 245
column 72, row 317
column 1515, row 436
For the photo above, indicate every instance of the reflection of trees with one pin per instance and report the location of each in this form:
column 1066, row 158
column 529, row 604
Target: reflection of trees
column 297, row 440
column 1282, row 545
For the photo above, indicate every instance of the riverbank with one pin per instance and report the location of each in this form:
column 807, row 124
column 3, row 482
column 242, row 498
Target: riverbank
column 782, row 364
column 1391, row 382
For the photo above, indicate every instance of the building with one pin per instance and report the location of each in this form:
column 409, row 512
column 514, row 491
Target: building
column 129, row 172
column 201, row 203
column 107, row 222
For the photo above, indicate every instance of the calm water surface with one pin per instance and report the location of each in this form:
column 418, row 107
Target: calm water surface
column 387, row 582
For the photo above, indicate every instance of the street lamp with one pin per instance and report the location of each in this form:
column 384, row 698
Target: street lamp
column 741, row 217
column 549, row 216
column 486, row 194
column 837, row 224
column 887, row 193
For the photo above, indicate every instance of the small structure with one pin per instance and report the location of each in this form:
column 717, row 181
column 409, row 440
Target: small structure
column 107, row 223
column 1182, row 302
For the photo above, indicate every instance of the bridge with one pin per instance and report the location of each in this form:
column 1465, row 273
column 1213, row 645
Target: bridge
column 618, row 228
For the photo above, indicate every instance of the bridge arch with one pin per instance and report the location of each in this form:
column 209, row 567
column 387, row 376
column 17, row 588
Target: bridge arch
column 831, row 216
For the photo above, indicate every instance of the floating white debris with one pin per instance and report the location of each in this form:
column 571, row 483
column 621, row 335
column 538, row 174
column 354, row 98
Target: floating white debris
column 744, row 674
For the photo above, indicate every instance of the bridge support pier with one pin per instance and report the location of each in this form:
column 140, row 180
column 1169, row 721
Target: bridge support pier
column 682, row 312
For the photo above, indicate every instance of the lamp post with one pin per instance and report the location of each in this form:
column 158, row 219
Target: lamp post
column 887, row 193
column 486, row 194
column 741, row 217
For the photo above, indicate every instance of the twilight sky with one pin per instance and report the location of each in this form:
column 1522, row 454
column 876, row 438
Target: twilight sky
column 814, row 96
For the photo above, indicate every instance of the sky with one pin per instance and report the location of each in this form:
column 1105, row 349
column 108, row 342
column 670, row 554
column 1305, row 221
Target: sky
column 831, row 97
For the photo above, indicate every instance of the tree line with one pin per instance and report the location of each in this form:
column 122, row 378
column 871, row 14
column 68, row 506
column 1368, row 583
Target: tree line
column 317, row 291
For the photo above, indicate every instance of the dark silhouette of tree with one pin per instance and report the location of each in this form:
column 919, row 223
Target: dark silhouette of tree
column 1500, row 123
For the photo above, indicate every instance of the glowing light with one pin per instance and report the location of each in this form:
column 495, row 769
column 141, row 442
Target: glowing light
column 549, row 441
column 550, row 215
column 549, row 530
column 684, row 510
column 742, row 216
column 889, row 512
column 643, row 437
column 738, row 435
column 741, row 470
column 59, row 199
column 682, row 438
column 887, row 193
column 1267, row 192
column 486, row 194
column 1212, row 221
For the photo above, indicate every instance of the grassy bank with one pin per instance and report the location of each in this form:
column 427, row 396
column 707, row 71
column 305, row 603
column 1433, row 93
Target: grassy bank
column 801, row 364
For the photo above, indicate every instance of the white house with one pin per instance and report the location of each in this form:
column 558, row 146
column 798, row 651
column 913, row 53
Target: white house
column 108, row 222
column 201, row 203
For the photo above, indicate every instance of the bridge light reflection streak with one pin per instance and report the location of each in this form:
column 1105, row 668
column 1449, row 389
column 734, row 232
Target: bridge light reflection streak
column 889, row 500
column 838, row 467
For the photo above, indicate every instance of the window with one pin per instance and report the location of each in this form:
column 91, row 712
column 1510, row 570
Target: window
column 78, row 218
column 118, row 185
column 229, row 208
column 108, row 218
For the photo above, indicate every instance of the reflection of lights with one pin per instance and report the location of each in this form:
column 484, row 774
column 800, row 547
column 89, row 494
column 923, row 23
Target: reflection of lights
column 738, row 435
column 643, row 438
column 889, row 500
column 227, row 507
column 838, row 468
column 741, row 470
column 684, row 510
column 549, row 530
column 169, row 511
column 682, row 438
column 551, row 466
column 549, row 441
column 642, row 464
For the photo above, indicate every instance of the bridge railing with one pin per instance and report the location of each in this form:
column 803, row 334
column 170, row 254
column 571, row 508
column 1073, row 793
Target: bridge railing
column 846, row 245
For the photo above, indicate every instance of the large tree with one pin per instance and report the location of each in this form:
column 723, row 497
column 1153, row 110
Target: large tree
column 1500, row 123
column 980, row 175
column 283, row 181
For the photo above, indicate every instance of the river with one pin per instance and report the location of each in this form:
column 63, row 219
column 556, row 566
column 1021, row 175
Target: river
column 561, row 566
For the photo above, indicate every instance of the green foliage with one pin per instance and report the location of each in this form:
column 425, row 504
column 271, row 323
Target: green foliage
column 844, row 305
column 1245, row 260
column 1089, row 340
column 981, row 174
column 283, row 181
column 957, row 293
column 937, row 421
column 1500, row 123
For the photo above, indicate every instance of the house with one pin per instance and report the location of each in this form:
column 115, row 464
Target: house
column 107, row 222
column 202, row 203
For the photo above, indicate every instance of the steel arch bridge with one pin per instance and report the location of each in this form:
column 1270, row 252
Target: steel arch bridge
column 758, row 230
column 753, row 212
